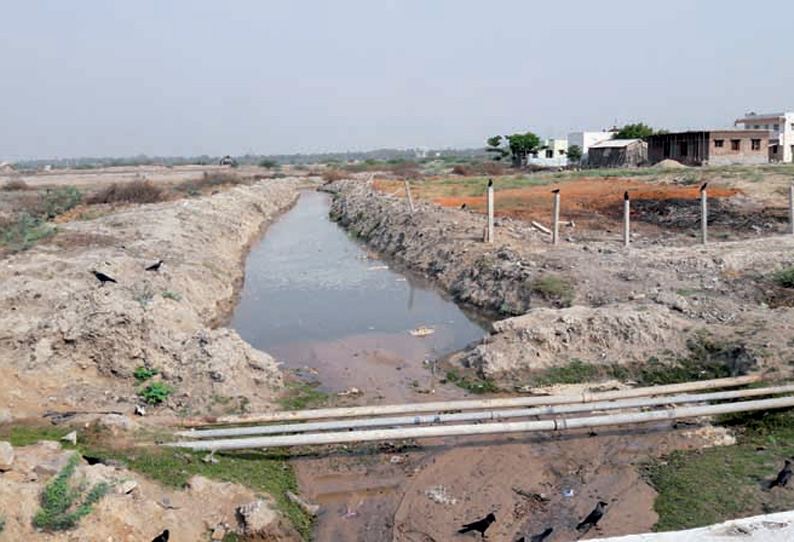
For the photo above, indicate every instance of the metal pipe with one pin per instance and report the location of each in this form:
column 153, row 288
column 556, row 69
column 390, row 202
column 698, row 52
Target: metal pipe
column 557, row 424
column 481, row 416
column 482, row 404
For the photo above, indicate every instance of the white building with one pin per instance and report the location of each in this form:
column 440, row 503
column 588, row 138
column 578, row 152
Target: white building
column 585, row 140
column 553, row 154
column 781, row 137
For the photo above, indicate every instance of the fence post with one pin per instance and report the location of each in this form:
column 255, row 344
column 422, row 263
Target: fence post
column 704, row 213
column 490, row 235
column 555, row 229
column 791, row 208
column 408, row 196
column 626, row 219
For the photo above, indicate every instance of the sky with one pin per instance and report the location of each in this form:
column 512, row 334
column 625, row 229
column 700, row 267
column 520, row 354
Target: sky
column 192, row 77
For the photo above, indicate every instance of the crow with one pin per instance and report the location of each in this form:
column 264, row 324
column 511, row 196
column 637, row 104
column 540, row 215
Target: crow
column 155, row 266
column 480, row 525
column 490, row 183
column 626, row 196
column 703, row 186
column 162, row 537
column 103, row 278
column 463, row 206
column 593, row 517
column 783, row 476
column 542, row 536
column 555, row 191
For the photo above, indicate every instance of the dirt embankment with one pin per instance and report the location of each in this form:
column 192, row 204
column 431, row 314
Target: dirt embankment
column 68, row 342
column 626, row 305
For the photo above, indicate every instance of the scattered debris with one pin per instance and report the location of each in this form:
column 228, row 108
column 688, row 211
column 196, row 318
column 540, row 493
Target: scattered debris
column 422, row 331
column 439, row 494
column 71, row 438
column 351, row 392
column 310, row 508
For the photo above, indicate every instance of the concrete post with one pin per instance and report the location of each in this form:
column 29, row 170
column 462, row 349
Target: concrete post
column 489, row 235
column 626, row 219
column 408, row 196
column 791, row 208
column 555, row 229
column 704, row 214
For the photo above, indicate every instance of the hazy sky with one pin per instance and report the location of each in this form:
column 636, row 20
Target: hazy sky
column 98, row 77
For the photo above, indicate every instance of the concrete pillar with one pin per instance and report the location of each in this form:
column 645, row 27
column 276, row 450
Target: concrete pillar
column 791, row 208
column 555, row 229
column 704, row 222
column 489, row 236
column 626, row 220
column 408, row 196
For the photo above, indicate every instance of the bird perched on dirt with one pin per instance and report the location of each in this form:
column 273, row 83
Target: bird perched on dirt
column 541, row 537
column 703, row 186
column 103, row 278
column 463, row 206
column 593, row 517
column 162, row 537
column 480, row 525
column 155, row 266
column 783, row 476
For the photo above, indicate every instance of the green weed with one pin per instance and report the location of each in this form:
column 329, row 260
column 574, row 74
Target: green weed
column 156, row 393
column 24, row 232
column 300, row 395
column 168, row 294
column 472, row 384
column 142, row 374
column 58, row 201
column 785, row 278
column 554, row 287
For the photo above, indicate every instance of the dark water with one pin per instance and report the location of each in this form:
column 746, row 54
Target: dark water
column 313, row 297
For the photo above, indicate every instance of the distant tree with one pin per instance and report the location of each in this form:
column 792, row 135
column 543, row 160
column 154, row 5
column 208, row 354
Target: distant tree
column 495, row 146
column 574, row 154
column 518, row 147
column 634, row 131
column 268, row 164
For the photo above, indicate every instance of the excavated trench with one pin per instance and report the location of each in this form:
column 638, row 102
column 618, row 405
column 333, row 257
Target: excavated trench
column 336, row 315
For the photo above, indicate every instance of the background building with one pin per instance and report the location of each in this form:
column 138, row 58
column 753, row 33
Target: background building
column 781, row 137
column 585, row 140
column 553, row 155
column 711, row 148
column 618, row 153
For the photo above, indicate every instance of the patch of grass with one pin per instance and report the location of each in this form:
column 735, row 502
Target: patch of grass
column 574, row 373
column 708, row 486
column 24, row 232
column 785, row 278
column 143, row 294
column 168, row 294
column 15, row 185
column 472, row 384
column 156, row 393
column 300, row 395
column 142, row 374
column 137, row 191
column 554, row 287
column 26, row 435
column 61, row 508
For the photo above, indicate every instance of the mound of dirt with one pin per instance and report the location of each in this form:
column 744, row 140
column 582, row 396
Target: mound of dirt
column 545, row 338
column 670, row 164
column 135, row 509
column 69, row 342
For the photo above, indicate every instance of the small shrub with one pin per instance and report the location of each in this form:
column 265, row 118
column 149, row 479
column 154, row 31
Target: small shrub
column 300, row 395
column 168, row 294
column 785, row 278
column 24, row 232
column 143, row 295
column 333, row 175
column 156, row 393
column 56, row 202
column 462, row 169
column 15, row 185
column 59, row 500
column 554, row 286
column 269, row 164
column 209, row 181
column 472, row 385
column 493, row 168
column 138, row 191
column 142, row 374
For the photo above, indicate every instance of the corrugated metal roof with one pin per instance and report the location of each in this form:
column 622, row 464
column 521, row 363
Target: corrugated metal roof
column 614, row 143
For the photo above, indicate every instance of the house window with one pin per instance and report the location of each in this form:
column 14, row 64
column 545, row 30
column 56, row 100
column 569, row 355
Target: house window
column 774, row 149
column 719, row 143
column 549, row 153
column 755, row 144
column 736, row 144
column 562, row 152
column 777, row 127
column 757, row 126
column 683, row 149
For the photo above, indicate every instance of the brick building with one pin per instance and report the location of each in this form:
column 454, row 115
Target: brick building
column 781, row 137
column 711, row 147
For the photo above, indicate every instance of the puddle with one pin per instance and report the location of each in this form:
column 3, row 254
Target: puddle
column 314, row 298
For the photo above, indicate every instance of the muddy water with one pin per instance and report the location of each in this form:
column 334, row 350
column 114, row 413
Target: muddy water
column 317, row 301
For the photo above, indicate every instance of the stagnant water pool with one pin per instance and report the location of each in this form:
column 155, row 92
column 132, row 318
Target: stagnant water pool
column 315, row 298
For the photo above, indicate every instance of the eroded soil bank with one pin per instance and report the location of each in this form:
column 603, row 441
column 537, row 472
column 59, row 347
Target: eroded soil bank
column 71, row 343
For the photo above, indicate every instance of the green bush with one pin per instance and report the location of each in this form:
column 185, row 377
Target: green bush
column 554, row 286
column 58, row 201
column 156, row 393
column 142, row 374
column 785, row 278
column 59, row 500
column 22, row 234
column 269, row 164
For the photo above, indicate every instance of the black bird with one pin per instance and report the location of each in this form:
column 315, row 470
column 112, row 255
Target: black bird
column 463, row 206
column 155, row 266
column 626, row 196
column 542, row 536
column 480, row 525
column 783, row 476
column 703, row 186
column 490, row 183
column 593, row 517
column 162, row 537
column 103, row 278
column 555, row 191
